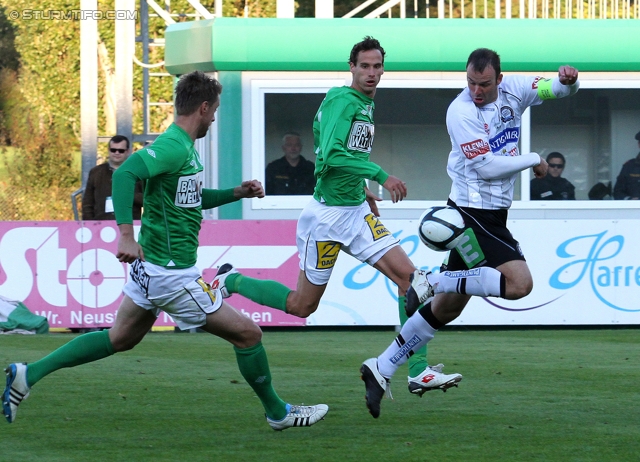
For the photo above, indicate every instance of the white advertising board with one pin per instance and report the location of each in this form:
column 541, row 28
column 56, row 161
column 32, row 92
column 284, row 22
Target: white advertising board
column 584, row 271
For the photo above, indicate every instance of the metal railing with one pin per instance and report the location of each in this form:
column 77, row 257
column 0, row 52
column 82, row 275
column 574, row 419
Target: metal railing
column 509, row 9
column 76, row 203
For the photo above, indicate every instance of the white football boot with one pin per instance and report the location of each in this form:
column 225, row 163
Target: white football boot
column 419, row 292
column 219, row 281
column 433, row 379
column 300, row 416
column 15, row 391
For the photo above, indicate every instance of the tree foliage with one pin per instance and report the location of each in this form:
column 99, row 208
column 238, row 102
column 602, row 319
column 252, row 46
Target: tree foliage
column 42, row 173
column 40, row 112
column 8, row 54
column 40, row 97
column 40, row 94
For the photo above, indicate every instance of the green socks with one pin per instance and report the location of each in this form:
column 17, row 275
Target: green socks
column 262, row 291
column 254, row 367
column 252, row 362
column 81, row 350
column 418, row 362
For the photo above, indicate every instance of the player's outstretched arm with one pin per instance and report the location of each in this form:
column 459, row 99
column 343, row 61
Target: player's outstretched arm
column 248, row 189
column 540, row 170
column 505, row 166
column 566, row 84
column 212, row 198
column 396, row 187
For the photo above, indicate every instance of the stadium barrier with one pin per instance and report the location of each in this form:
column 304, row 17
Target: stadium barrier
column 586, row 272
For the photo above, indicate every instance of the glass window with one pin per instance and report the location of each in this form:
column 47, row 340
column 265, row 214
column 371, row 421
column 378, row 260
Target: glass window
column 594, row 130
column 410, row 133
column 289, row 112
column 411, row 140
column 272, row 107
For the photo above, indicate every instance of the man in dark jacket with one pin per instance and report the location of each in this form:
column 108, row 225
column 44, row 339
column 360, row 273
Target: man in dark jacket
column 553, row 187
column 292, row 174
column 96, row 201
column 628, row 182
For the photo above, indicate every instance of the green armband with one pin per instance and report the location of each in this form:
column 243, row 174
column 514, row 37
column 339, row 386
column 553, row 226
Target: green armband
column 544, row 89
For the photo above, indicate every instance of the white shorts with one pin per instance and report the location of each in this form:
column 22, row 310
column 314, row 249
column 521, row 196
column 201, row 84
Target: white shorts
column 325, row 230
column 181, row 293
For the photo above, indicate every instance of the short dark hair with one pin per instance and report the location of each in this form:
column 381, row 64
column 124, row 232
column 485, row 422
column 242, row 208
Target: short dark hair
column 193, row 89
column 288, row 134
column 483, row 57
column 119, row 139
column 556, row 155
column 367, row 43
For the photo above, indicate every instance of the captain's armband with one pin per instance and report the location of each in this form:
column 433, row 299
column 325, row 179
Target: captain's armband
column 545, row 90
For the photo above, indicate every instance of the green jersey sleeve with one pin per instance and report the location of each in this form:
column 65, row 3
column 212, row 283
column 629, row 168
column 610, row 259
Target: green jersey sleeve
column 123, row 190
column 212, row 198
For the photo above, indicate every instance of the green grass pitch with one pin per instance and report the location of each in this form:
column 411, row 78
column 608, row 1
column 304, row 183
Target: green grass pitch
column 527, row 395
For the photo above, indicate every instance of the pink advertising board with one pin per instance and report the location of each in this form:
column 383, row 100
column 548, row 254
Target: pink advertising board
column 68, row 272
column 585, row 272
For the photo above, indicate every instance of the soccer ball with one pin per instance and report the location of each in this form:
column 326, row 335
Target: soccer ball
column 440, row 228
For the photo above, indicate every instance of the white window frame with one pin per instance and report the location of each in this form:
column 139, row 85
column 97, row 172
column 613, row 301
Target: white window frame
column 256, row 84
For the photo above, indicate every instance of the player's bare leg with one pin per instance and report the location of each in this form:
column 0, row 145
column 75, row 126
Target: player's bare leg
column 304, row 301
column 518, row 279
column 232, row 326
column 131, row 325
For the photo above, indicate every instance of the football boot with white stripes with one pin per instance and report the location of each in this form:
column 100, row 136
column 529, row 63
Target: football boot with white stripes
column 15, row 391
column 419, row 292
column 300, row 416
column 432, row 378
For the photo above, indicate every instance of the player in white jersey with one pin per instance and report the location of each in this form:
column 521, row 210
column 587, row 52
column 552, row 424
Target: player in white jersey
column 484, row 125
column 485, row 161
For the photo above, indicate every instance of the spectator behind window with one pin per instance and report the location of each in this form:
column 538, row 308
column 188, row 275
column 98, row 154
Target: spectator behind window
column 553, row 187
column 292, row 174
column 628, row 182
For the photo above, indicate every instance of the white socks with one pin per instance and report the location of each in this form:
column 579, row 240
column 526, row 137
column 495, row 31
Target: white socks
column 483, row 282
column 415, row 333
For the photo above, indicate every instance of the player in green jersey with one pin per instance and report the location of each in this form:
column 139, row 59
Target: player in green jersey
column 163, row 276
column 343, row 214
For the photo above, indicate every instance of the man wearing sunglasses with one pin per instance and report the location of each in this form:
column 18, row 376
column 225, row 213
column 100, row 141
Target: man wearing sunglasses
column 96, row 201
column 552, row 186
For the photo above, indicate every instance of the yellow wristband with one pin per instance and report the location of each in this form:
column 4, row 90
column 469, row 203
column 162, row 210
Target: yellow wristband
column 544, row 89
